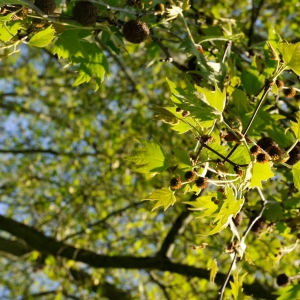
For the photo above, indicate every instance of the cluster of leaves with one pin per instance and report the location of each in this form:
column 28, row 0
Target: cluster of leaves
column 226, row 96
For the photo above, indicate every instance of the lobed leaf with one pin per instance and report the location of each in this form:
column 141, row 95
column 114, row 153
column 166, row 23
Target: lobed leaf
column 150, row 159
column 164, row 197
column 291, row 55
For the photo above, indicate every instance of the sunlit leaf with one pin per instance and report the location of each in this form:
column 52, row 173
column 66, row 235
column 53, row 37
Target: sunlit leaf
column 164, row 197
column 229, row 209
column 236, row 287
column 296, row 175
column 290, row 55
column 42, row 38
column 150, row 158
column 260, row 172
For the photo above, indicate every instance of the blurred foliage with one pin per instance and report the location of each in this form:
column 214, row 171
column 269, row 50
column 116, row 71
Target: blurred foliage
column 65, row 147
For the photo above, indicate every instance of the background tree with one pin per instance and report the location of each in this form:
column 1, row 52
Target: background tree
column 72, row 222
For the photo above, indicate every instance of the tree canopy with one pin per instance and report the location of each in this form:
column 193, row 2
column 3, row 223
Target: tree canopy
column 149, row 149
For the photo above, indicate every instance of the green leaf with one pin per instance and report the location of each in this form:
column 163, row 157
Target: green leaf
column 236, row 287
column 289, row 292
column 216, row 99
column 205, row 204
column 290, row 55
column 164, row 197
column 94, row 63
column 229, row 209
column 296, row 175
column 296, row 126
column 213, row 267
column 42, row 38
column 260, row 172
column 150, row 159
column 8, row 30
column 68, row 45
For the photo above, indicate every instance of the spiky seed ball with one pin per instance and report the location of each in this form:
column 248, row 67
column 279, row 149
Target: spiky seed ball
column 238, row 171
column 206, row 139
column 185, row 113
column 85, row 13
column 262, row 158
column 47, row 6
column 175, row 183
column 135, row 31
column 190, row 176
column 238, row 219
column 255, row 149
column 294, row 156
column 159, row 8
column 279, row 84
column 259, row 225
column 265, row 143
column 178, row 109
column 201, row 182
column 209, row 20
column 275, row 152
column 289, row 93
column 282, row 280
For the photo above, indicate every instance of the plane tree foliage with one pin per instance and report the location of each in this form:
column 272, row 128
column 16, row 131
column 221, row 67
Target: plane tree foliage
column 164, row 169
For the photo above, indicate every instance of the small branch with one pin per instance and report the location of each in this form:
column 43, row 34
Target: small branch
column 169, row 58
column 162, row 286
column 226, row 51
column 221, row 293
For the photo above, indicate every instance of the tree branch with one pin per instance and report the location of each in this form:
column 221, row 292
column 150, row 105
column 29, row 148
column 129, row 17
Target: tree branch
column 48, row 245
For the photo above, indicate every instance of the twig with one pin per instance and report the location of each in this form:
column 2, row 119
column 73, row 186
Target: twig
column 221, row 293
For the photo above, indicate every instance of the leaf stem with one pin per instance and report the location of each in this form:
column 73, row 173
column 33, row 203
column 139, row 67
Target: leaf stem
column 292, row 147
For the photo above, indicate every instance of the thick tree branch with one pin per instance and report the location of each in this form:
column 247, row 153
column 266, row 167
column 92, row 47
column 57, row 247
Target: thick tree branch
column 19, row 249
column 48, row 245
column 178, row 227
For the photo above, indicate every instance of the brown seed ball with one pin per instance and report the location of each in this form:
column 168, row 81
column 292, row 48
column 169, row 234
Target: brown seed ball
column 175, row 183
column 289, row 93
column 279, row 84
column 135, row 31
column 255, row 149
column 275, row 152
column 265, row 143
column 238, row 219
column 238, row 171
column 47, row 6
column 262, row 158
column 85, row 13
column 201, row 182
column 282, row 280
column 190, row 176
column 259, row 225
column 294, row 156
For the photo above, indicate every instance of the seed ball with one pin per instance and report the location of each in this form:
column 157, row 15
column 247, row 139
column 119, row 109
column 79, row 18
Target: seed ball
column 294, row 156
column 262, row 158
column 289, row 93
column 201, row 182
column 238, row 219
column 259, row 225
column 175, row 183
column 279, row 84
column 275, row 152
column 85, row 13
column 135, row 31
column 282, row 280
column 265, row 143
column 190, row 176
column 47, row 6
column 255, row 149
